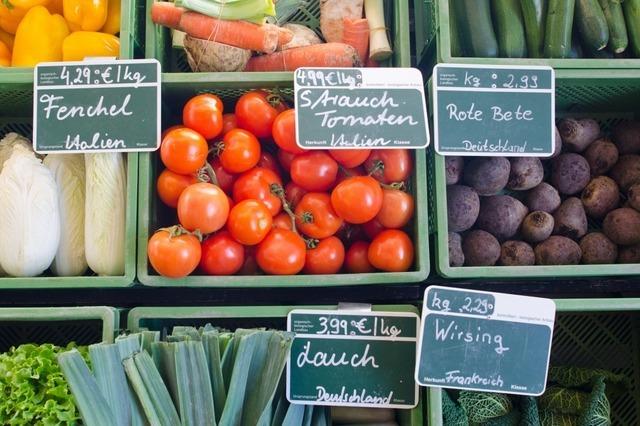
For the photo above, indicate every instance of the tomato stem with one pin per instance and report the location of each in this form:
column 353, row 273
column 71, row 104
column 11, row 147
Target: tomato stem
column 306, row 217
column 400, row 186
column 207, row 174
column 278, row 191
column 177, row 230
column 311, row 243
column 378, row 166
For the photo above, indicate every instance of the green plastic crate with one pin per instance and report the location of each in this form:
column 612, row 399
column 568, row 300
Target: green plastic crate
column 591, row 333
column 159, row 45
column 586, row 93
column 131, row 44
column 82, row 325
column 444, row 55
column 153, row 214
column 24, row 127
column 424, row 31
column 163, row 319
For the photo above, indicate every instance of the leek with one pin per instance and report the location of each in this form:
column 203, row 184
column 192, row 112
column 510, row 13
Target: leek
column 127, row 346
column 210, row 341
column 295, row 415
column 105, row 207
column 93, row 407
column 109, row 374
column 194, row 386
column 231, row 11
column 232, row 414
column 164, row 357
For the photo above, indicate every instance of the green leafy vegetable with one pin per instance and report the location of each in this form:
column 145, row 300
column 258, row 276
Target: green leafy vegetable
column 573, row 377
column 33, row 388
column 512, row 418
column 599, row 411
column 564, row 401
column 452, row 413
column 549, row 418
column 481, row 406
column 529, row 411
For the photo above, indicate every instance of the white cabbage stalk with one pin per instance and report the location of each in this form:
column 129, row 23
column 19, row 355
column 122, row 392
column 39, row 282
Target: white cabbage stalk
column 105, row 207
column 8, row 142
column 30, row 224
column 68, row 171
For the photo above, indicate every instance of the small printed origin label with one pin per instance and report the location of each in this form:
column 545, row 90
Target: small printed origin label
column 347, row 108
column 97, row 106
column 494, row 110
column 353, row 358
column 480, row 341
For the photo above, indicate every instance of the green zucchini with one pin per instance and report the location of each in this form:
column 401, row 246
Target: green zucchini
column 557, row 35
column 632, row 15
column 534, row 14
column 618, row 38
column 507, row 16
column 475, row 27
column 576, row 47
column 454, row 34
column 592, row 25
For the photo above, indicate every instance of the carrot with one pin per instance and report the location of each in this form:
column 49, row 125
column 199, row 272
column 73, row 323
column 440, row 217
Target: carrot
column 285, row 36
column 317, row 55
column 355, row 32
column 166, row 14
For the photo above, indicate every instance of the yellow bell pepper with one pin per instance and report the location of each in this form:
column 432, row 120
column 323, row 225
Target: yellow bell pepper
column 112, row 26
column 5, row 55
column 85, row 15
column 39, row 38
column 82, row 44
column 7, row 39
column 55, row 6
column 12, row 12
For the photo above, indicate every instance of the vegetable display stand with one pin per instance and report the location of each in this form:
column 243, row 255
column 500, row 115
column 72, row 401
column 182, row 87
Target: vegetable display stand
column 154, row 214
column 163, row 319
column 23, row 126
column 596, row 94
column 131, row 44
column 59, row 326
column 445, row 53
column 159, row 44
column 594, row 334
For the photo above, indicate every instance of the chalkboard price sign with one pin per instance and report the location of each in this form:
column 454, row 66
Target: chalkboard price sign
column 353, row 358
column 493, row 110
column 481, row 341
column 346, row 108
column 97, row 106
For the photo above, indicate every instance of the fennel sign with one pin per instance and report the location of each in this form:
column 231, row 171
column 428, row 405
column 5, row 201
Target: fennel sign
column 483, row 341
column 353, row 358
column 97, row 106
column 494, row 110
column 346, row 108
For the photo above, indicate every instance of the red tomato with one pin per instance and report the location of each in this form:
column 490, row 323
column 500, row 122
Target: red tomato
column 314, row 171
column 372, row 228
column 357, row 199
column 282, row 252
column 346, row 173
column 294, row 194
column 326, row 258
column 350, row 158
column 221, row 255
column 173, row 254
column 170, row 185
column 285, row 158
column 391, row 251
column 183, row 151
column 256, row 111
column 203, row 113
column 250, row 265
column 356, row 260
column 284, row 132
column 241, row 151
column 228, row 122
column 225, row 179
column 283, row 221
column 249, row 222
column 256, row 184
column 389, row 165
column 203, row 206
column 315, row 216
column 397, row 208
column 268, row 161
column 349, row 233
column 167, row 130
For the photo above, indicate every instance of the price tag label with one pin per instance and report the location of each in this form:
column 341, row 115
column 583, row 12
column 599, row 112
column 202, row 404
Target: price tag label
column 97, row 106
column 353, row 358
column 347, row 108
column 483, row 341
column 494, row 110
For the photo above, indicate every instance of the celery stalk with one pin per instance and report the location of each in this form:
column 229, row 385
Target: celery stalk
column 111, row 379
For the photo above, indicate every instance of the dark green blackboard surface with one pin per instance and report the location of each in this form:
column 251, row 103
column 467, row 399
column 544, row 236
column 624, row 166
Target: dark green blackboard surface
column 353, row 358
column 97, row 106
column 342, row 108
column 485, row 352
column 493, row 110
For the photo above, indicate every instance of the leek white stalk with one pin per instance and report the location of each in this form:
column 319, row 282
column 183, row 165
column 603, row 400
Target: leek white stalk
column 68, row 171
column 379, row 47
column 30, row 216
column 105, row 207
